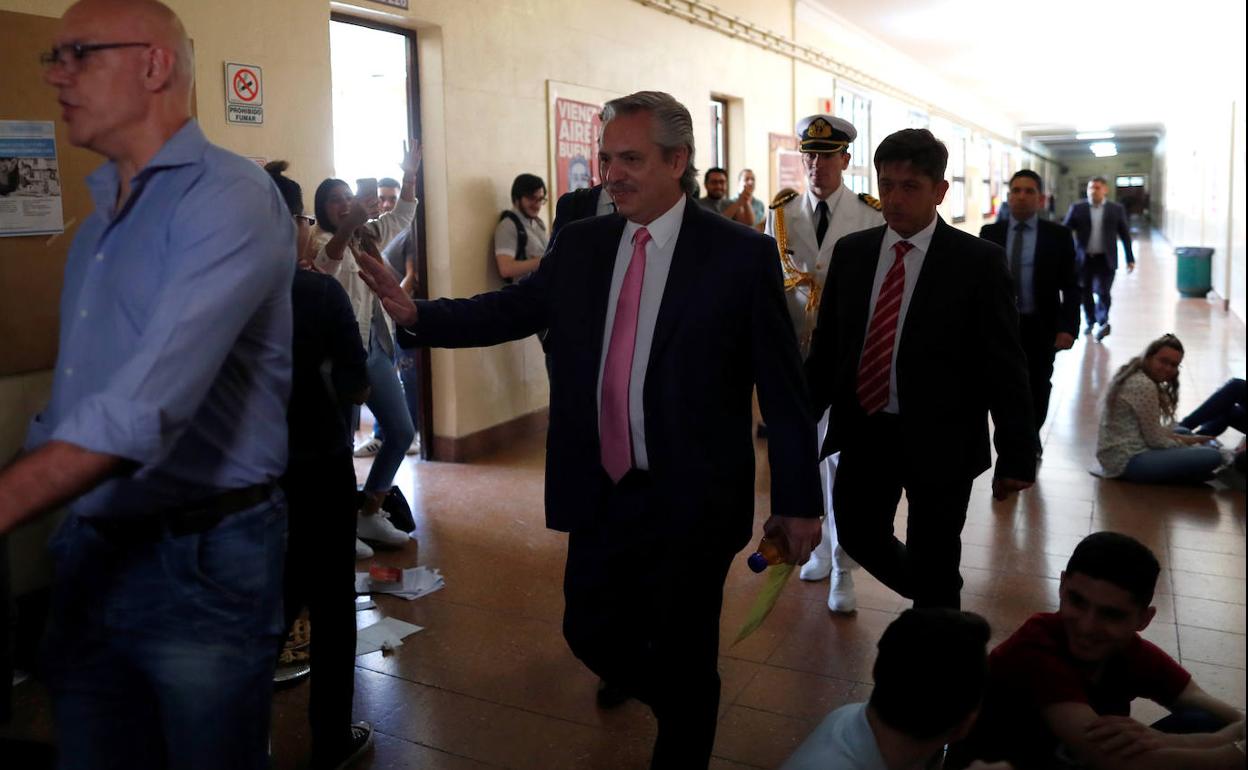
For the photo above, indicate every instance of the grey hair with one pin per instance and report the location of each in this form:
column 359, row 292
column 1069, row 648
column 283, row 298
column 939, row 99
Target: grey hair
column 673, row 127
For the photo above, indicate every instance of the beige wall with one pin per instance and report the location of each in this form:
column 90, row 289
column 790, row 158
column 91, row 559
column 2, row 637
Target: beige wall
column 1205, row 192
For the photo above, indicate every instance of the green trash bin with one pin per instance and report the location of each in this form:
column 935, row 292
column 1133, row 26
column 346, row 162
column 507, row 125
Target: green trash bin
column 1195, row 270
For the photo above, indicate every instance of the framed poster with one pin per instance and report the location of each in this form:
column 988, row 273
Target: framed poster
column 575, row 128
column 786, row 164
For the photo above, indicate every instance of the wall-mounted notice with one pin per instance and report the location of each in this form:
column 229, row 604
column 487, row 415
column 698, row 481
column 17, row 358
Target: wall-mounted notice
column 244, row 94
column 30, row 185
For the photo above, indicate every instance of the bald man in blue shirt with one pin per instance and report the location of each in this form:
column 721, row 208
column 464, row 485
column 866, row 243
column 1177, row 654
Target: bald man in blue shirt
column 166, row 427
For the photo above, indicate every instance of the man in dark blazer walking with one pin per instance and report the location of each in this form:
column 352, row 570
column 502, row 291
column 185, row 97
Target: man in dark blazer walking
column 662, row 320
column 1041, row 258
column 1098, row 224
column 581, row 204
column 916, row 343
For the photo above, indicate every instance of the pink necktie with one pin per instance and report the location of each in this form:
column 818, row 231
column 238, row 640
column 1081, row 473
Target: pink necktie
column 875, row 368
column 613, row 423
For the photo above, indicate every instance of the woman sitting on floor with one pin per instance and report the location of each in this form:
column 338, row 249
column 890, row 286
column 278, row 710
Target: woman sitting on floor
column 1137, row 441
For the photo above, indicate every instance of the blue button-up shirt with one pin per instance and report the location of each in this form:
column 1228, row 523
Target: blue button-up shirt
column 1027, row 268
column 175, row 338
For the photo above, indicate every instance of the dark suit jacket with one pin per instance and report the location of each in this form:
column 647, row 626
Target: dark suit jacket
column 1055, row 282
column 959, row 355
column 722, row 327
column 1113, row 226
column 574, row 205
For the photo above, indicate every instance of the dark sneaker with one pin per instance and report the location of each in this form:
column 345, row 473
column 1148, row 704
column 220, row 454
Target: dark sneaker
column 361, row 742
column 1102, row 332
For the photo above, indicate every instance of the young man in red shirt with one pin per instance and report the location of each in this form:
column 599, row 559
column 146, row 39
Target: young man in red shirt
column 1060, row 689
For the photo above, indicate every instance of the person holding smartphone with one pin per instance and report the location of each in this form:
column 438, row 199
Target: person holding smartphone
column 347, row 233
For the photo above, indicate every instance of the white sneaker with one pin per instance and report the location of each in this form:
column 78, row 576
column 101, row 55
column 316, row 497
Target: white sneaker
column 841, row 598
column 414, row 449
column 362, row 550
column 378, row 529
column 816, row 569
column 368, row 447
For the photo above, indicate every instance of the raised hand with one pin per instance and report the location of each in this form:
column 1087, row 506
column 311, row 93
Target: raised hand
column 411, row 157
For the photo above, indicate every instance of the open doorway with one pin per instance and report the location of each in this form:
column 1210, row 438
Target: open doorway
column 376, row 108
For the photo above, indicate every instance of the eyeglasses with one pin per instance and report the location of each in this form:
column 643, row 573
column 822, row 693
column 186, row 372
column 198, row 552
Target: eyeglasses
column 70, row 55
column 538, row 199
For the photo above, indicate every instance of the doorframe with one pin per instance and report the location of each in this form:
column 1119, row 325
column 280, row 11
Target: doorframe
column 425, row 428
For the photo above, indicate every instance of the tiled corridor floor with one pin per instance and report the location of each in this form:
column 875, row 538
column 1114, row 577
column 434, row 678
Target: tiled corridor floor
column 490, row 682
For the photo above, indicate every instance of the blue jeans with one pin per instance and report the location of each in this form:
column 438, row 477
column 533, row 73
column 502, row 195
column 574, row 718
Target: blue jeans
column 1177, row 465
column 161, row 654
column 1223, row 409
column 389, row 408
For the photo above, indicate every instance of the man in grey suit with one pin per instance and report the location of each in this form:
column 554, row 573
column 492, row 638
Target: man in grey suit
column 1098, row 224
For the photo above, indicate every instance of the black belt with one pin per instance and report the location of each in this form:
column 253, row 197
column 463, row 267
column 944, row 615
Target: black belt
column 191, row 519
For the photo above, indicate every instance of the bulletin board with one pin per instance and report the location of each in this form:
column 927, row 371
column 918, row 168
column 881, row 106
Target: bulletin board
column 32, row 267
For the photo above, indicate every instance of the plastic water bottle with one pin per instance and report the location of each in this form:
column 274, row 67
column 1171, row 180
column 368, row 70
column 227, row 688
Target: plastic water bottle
column 769, row 552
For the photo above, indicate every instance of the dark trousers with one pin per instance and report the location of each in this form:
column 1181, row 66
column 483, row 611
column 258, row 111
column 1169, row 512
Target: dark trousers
column 1096, row 278
column 320, row 575
column 1038, row 338
column 642, row 612
column 1223, row 409
column 873, row 471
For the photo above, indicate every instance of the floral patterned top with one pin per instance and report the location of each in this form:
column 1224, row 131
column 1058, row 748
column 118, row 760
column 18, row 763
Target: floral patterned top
column 1132, row 424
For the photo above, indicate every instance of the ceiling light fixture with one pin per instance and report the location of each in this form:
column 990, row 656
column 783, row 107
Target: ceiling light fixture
column 1085, row 135
column 1103, row 149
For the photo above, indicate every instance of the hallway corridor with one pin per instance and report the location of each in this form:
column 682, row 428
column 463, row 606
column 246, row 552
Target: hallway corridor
column 489, row 682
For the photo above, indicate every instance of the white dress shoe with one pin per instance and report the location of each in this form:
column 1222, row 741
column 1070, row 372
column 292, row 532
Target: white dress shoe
column 841, row 598
column 815, row 569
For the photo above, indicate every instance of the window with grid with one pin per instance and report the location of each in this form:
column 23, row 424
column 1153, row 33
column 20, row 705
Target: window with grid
column 857, row 110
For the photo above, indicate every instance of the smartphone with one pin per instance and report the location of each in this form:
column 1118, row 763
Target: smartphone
column 366, row 188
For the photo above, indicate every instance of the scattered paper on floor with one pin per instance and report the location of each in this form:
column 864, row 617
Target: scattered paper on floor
column 386, row 634
column 417, row 582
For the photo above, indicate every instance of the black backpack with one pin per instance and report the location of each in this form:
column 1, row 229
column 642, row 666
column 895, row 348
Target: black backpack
column 522, row 237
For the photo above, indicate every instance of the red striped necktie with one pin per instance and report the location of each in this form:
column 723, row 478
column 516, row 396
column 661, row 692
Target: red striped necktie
column 876, row 366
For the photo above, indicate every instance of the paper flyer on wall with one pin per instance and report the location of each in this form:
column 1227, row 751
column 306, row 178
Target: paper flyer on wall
column 30, row 184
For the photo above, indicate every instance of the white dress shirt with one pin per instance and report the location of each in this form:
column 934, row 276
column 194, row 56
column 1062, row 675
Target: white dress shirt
column 914, row 263
column 659, row 249
column 1096, row 238
column 605, row 205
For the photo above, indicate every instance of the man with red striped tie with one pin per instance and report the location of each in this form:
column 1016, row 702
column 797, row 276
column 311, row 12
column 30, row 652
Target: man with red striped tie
column 916, row 343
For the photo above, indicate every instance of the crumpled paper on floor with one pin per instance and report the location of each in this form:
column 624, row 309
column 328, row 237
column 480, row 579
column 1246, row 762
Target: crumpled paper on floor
column 386, row 634
column 417, row 582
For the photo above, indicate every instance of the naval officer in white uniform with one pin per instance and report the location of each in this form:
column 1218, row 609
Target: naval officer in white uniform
column 806, row 227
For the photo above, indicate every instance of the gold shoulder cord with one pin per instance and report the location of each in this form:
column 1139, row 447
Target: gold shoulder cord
column 793, row 277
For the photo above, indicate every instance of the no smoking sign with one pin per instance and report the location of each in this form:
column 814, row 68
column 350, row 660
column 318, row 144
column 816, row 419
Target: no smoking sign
column 244, row 94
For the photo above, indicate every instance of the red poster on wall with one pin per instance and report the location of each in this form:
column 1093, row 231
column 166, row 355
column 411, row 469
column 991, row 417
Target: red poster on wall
column 577, row 126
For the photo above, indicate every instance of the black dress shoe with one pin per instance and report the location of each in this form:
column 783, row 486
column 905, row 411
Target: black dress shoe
column 609, row 696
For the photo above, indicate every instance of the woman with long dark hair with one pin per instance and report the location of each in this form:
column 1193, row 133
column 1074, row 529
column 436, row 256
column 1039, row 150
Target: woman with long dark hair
column 346, row 233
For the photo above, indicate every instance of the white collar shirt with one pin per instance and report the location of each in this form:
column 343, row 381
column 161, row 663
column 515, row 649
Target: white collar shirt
column 659, row 250
column 1096, row 238
column 913, row 261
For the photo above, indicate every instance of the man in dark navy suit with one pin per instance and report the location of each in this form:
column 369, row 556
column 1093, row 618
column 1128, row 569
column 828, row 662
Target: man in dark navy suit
column 1041, row 258
column 662, row 320
column 1098, row 224
column 916, row 343
column 581, row 204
